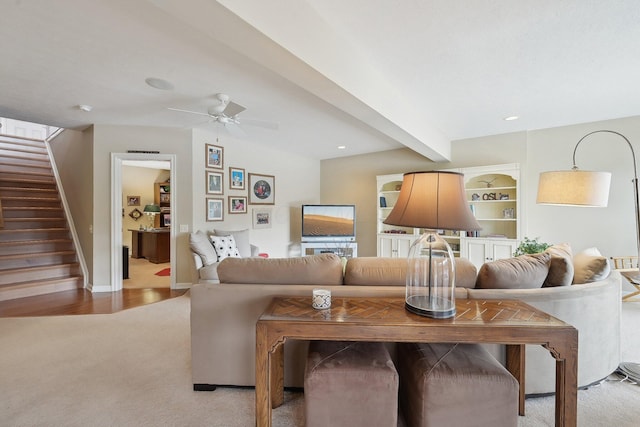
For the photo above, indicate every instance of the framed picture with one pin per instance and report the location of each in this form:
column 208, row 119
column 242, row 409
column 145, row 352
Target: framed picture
column 262, row 218
column 236, row 178
column 135, row 214
column 237, row 204
column 165, row 220
column 133, row 200
column 215, row 157
column 214, row 209
column 214, row 182
column 261, row 189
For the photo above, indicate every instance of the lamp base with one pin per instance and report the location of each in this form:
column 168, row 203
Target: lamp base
column 418, row 304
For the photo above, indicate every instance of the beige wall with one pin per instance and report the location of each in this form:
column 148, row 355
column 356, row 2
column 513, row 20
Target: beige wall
column 296, row 183
column 73, row 151
column 119, row 139
column 611, row 229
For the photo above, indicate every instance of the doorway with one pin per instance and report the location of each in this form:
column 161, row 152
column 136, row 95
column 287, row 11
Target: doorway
column 143, row 243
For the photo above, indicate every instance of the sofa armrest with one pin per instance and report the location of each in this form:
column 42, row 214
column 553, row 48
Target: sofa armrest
column 254, row 250
column 196, row 265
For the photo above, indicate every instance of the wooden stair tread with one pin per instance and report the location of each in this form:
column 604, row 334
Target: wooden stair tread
column 39, row 267
column 36, row 254
column 40, row 282
column 33, row 242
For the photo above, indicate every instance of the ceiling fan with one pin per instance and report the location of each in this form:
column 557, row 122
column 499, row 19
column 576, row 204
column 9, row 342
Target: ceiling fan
column 226, row 113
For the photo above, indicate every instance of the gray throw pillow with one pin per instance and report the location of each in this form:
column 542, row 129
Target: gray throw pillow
column 200, row 244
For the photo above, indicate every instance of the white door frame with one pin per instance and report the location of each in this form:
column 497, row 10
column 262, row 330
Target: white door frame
column 116, row 213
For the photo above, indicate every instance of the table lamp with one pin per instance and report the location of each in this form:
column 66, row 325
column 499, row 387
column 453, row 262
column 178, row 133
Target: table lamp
column 152, row 211
column 586, row 188
column 433, row 201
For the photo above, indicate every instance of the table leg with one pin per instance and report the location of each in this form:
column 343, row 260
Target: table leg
column 277, row 377
column 516, row 366
column 263, row 378
column 566, row 354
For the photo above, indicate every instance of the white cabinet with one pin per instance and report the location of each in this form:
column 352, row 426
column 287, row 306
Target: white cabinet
column 395, row 246
column 393, row 241
column 479, row 251
column 342, row 249
column 493, row 193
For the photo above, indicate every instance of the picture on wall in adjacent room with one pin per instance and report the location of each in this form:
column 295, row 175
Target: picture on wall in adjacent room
column 214, row 209
column 262, row 218
column 237, row 205
column 215, row 157
column 214, row 182
column 261, row 189
column 236, row 178
column 133, row 200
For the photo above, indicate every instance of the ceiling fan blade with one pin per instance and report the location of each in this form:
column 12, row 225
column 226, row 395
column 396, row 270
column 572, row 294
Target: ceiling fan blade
column 260, row 123
column 188, row 111
column 233, row 109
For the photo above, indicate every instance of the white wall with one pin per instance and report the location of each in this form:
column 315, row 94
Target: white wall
column 612, row 229
column 296, row 182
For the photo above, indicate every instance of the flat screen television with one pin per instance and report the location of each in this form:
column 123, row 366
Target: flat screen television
column 329, row 223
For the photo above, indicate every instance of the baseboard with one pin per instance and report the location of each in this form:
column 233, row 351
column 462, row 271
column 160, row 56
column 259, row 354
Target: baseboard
column 185, row 285
column 204, row 387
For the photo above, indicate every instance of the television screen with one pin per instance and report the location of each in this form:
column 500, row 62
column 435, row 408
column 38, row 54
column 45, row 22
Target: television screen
column 330, row 222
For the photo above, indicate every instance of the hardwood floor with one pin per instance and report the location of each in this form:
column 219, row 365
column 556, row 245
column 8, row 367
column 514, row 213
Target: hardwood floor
column 81, row 301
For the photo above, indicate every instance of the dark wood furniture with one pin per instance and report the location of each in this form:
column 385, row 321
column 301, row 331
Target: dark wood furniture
column 154, row 245
column 509, row 322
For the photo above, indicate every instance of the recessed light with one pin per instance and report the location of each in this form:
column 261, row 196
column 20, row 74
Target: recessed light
column 511, row 118
column 85, row 107
column 157, row 83
column 342, row 147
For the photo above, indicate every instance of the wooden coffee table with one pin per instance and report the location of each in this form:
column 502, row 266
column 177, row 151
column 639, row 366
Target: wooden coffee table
column 509, row 322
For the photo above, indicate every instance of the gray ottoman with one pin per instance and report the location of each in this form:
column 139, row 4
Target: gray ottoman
column 455, row 385
column 350, row 384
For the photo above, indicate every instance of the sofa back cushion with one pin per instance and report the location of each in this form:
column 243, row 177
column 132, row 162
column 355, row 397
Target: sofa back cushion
column 560, row 266
column 201, row 245
column 521, row 272
column 381, row 271
column 323, row 269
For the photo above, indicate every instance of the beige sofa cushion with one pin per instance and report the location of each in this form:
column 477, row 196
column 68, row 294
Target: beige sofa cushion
column 375, row 271
column 381, row 271
column 200, row 244
column 323, row 269
column 521, row 272
column 560, row 267
column 590, row 266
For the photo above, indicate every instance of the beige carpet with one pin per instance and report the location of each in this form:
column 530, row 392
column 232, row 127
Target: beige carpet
column 132, row 368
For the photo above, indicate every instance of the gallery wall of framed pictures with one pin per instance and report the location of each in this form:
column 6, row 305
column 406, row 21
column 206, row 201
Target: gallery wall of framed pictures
column 243, row 189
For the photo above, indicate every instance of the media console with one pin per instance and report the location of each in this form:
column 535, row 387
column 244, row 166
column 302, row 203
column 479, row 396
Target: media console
column 342, row 249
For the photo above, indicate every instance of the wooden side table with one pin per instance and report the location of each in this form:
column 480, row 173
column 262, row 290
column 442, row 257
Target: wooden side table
column 509, row 322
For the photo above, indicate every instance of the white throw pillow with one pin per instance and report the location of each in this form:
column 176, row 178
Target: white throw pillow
column 590, row 266
column 225, row 247
column 242, row 240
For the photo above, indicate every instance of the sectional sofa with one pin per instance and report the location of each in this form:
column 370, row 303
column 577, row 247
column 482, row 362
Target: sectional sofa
column 223, row 315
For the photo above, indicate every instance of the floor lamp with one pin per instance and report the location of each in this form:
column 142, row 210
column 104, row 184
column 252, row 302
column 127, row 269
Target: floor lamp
column 590, row 189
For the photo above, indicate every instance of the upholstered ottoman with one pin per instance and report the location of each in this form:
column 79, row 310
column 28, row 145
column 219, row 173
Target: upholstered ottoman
column 350, row 384
column 455, row 385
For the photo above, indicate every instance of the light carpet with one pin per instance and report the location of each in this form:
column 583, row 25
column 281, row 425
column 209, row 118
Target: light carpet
column 132, row 368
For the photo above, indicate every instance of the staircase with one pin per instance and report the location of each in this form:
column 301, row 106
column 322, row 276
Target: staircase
column 37, row 254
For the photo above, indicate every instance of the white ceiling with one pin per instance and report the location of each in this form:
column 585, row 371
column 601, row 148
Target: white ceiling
column 369, row 74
